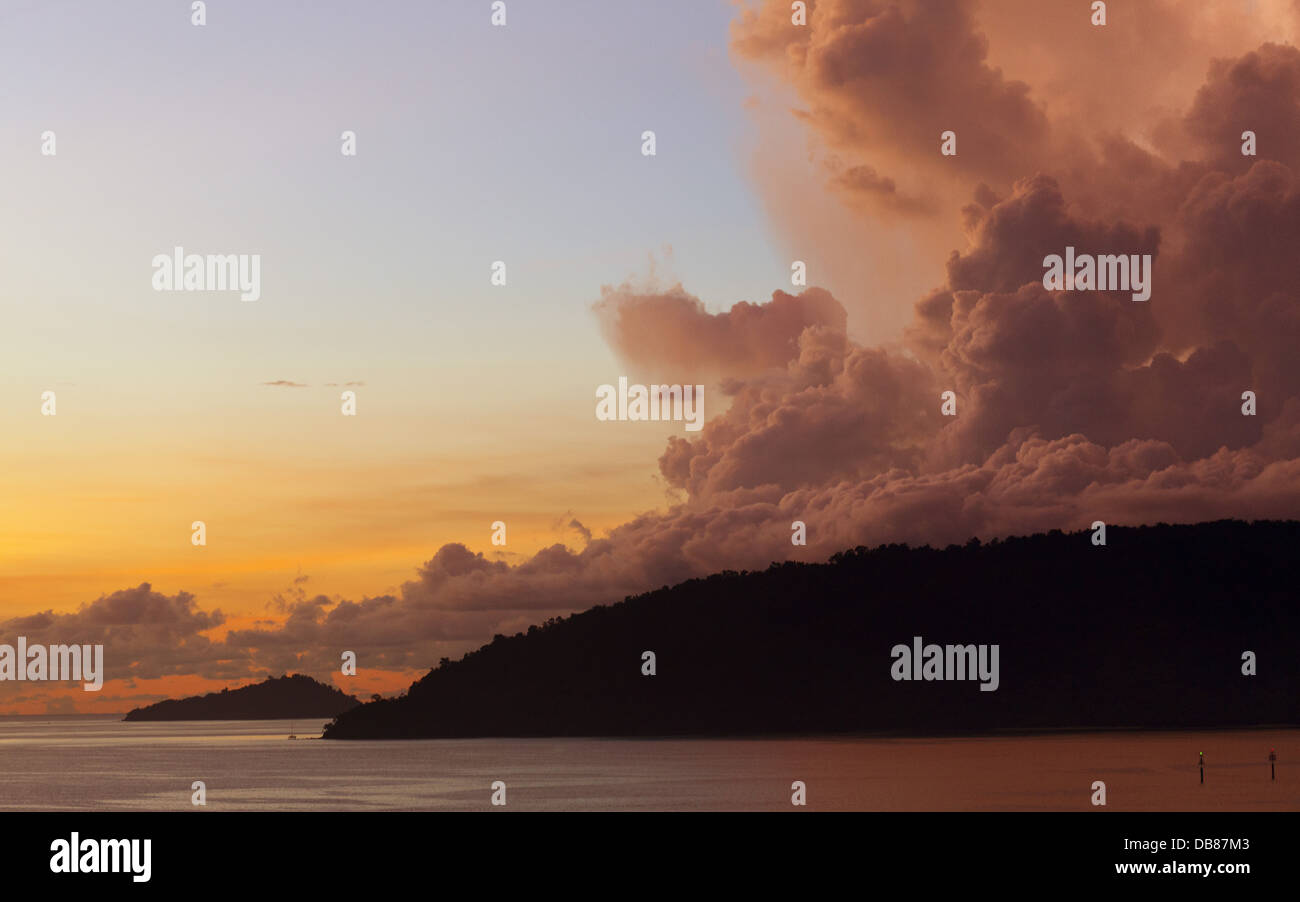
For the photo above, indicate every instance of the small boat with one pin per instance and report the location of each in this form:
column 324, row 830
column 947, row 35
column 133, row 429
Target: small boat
column 291, row 733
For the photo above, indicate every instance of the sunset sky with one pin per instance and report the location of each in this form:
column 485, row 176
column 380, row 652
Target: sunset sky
column 475, row 403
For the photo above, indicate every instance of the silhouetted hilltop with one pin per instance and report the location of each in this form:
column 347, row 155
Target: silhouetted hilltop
column 1146, row 631
column 280, row 698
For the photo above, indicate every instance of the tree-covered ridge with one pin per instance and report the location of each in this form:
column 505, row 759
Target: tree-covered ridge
column 1148, row 630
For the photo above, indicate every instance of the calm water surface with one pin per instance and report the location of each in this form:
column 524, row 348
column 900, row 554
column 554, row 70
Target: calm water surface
column 100, row 763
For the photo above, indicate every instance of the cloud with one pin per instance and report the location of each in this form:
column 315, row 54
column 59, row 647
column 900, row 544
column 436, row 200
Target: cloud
column 576, row 525
column 145, row 634
column 1260, row 92
column 1073, row 406
column 867, row 187
column 887, row 78
column 672, row 332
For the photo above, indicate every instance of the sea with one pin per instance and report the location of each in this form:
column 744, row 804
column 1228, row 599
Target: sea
column 98, row 763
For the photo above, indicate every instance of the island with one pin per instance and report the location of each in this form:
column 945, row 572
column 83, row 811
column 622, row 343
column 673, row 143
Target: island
column 278, row 698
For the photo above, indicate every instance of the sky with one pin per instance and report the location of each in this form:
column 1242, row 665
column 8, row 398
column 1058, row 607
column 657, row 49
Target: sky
column 226, row 139
column 774, row 143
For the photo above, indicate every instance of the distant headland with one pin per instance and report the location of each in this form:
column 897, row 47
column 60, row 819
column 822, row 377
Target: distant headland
column 1156, row 627
column 278, row 698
